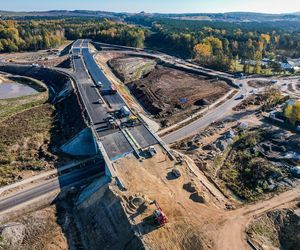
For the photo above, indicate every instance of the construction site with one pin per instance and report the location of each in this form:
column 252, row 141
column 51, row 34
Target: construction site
column 168, row 95
column 195, row 195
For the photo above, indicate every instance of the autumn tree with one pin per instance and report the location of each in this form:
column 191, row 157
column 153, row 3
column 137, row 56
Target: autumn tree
column 292, row 112
column 203, row 51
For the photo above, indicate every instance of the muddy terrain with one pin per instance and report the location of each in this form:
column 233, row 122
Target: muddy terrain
column 172, row 95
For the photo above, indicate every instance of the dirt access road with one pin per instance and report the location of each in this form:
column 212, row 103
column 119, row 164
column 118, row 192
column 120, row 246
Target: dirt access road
column 192, row 225
column 232, row 232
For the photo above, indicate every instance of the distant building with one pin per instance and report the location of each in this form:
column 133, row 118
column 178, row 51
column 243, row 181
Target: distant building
column 295, row 63
column 265, row 62
column 286, row 66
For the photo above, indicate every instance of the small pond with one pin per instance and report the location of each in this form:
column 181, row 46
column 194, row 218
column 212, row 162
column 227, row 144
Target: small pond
column 13, row 90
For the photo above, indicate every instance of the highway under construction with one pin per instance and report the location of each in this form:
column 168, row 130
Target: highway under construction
column 117, row 133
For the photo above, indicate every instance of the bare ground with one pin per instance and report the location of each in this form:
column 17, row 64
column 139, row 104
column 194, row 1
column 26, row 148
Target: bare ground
column 173, row 95
column 183, row 200
column 200, row 223
column 129, row 69
column 36, row 230
column 275, row 229
column 162, row 91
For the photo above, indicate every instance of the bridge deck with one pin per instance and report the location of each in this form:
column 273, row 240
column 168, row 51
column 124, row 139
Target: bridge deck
column 86, row 71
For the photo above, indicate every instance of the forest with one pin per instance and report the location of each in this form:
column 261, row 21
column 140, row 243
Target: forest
column 29, row 35
column 220, row 44
column 106, row 31
column 36, row 34
column 214, row 44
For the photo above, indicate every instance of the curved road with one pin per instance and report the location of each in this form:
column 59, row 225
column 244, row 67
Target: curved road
column 212, row 116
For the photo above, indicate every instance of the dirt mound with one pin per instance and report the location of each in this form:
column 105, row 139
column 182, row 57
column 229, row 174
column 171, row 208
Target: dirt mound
column 104, row 223
column 172, row 94
column 196, row 197
column 189, row 187
column 259, row 83
column 37, row 230
column 276, row 229
column 65, row 64
column 129, row 69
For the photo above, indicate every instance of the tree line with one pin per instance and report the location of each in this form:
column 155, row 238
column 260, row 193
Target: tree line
column 34, row 34
column 106, row 31
column 216, row 44
column 220, row 44
column 29, row 35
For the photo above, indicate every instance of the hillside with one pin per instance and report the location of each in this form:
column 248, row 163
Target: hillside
column 227, row 17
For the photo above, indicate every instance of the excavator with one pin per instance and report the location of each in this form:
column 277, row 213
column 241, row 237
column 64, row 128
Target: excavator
column 159, row 215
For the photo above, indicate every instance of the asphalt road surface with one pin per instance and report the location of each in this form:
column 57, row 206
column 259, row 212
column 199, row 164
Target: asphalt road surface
column 212, row 116
column 115, row 143
column 73, row 178
column 115, row 101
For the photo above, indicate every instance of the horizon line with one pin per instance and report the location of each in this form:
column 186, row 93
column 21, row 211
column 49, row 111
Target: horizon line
column 166, row 13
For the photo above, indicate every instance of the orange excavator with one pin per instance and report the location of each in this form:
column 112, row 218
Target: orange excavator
column 159, row 215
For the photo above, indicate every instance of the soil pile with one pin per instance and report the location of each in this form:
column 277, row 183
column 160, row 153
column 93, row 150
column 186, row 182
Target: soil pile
column 277, row 229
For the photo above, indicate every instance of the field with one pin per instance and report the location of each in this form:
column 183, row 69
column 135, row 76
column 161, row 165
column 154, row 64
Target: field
column 31, row 131
column 24, row 140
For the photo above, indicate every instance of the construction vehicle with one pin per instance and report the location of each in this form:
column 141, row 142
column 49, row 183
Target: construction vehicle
column 152, row 151
column 112, row 123
column 133, row 120
column 111, row 90
column 159, row 215
column 149, row 152
column 124, row 112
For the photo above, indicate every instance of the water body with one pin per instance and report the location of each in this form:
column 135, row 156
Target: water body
column 13, row 90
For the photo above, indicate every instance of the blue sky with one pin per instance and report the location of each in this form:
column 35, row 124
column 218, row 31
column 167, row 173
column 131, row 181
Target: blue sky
column 166, row 6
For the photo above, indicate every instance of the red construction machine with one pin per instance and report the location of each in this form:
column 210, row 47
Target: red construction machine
column 159, row 215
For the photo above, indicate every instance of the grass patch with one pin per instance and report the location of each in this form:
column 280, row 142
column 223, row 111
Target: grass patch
column 10, row 107
column 24, row 140
column 238, row 67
